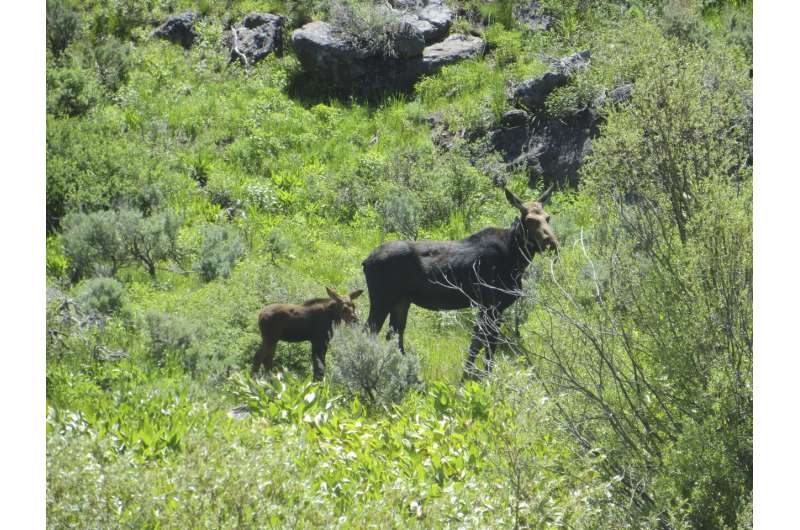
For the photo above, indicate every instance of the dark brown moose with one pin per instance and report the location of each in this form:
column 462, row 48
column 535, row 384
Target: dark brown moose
column 483, row 270
column 312, row 320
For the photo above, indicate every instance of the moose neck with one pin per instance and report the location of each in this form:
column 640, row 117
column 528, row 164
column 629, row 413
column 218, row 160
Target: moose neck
column 520, row 250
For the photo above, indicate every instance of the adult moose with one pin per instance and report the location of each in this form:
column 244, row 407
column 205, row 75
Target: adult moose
column 312, row 320
column 483, row 270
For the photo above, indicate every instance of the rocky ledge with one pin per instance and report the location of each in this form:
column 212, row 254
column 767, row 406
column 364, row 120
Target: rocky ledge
column 334, row 57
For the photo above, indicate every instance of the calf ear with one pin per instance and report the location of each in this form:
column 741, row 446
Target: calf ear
column 515, row 201
column 356, row 294
column 333, row 295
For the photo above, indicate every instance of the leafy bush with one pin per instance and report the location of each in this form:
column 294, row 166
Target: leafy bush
column 113, row 59
column 119, row 19
column 170, row 334
column 149, row 239
column 221, row 249
column 71, row 91
column 63, row 25
column 684, row 21
column 102, row 295
column 658, row 328
column 93, row 243
column 401, row 213
column 370, row 367
column 104, row 241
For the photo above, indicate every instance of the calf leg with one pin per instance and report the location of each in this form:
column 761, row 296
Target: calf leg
column 319, row 349
column 265, row 354
column 397, row 322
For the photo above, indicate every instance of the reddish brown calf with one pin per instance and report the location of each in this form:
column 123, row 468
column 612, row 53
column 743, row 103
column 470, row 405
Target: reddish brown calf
column 312, row 320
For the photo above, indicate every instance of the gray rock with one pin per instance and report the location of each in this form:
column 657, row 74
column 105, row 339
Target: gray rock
column 333, row 59
column 258, row 35
column 534, row 16
column 439, row 16
column 429, row 33
column 621, row 93
column 514, row 118
column 532, row 93
column 409, row 41
column 551, row 149
column 178, row 29
column 572, row 63
column 454, row 48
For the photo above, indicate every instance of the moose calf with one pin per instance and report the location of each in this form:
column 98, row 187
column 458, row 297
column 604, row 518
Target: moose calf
column 312, row 320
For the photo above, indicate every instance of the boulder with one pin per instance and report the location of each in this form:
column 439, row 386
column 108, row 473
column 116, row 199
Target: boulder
column 454, row 48
column 429, row 33
column 409, row 41
column 178, row 29
column 621, row 93
column 533, row 16
column 550, row 148
column 532, row 93
column 514, row 118
column 257, row 36
column 333, row 58
column 572, row 63
column 439, row 17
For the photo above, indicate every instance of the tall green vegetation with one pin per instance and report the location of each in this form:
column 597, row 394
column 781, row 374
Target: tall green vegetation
column 184, row 193
column 647, row 322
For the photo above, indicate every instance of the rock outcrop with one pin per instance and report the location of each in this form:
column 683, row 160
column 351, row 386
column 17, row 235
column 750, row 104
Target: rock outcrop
column 534, row 16
column 551, row 148
column 532, row 93
column 336, row 59
column 257, row 36
column 178, row 29
column 452, row 49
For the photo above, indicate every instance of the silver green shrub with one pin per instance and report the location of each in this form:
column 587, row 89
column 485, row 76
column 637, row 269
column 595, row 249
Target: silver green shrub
column 370, row 367
column 222, row 247
column 101, row 296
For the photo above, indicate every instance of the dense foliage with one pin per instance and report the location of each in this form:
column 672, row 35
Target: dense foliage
column 185, row 192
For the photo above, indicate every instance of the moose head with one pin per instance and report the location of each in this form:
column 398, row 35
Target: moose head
column 344, row 307
column 535, row 220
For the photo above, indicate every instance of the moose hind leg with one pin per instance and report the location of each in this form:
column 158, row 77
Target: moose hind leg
column 397, row 322
column 265, row 355
column 377, row 316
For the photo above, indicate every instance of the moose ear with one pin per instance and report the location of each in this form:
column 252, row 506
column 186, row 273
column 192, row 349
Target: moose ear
column 515, row 201
column 355, row 294
column 333, row 295
column 546, row 193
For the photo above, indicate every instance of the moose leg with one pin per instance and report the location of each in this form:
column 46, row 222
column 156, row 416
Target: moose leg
column 265, row 354
column 478, row 340
column 397, row 322
column 377, row 316
column 485, row 334
column 492, row 336
column 318, row 350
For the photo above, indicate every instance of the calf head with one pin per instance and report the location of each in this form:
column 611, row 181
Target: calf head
column 343, row 306
column 536, row 221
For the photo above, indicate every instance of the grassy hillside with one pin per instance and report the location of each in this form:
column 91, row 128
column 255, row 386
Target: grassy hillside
column 185, row 192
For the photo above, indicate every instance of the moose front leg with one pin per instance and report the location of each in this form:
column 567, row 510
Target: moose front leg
column 318, row 350
column 484, row 334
